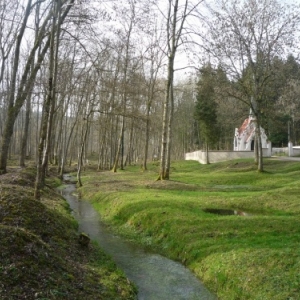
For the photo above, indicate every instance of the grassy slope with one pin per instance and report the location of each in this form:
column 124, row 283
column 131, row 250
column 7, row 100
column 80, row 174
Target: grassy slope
column 40, row 257
column 253, row 257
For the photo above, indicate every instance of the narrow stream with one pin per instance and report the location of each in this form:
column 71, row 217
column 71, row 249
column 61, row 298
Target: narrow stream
column 155, row 276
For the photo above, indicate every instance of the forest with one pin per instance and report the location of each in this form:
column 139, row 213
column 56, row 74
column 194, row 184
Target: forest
column 128, row 82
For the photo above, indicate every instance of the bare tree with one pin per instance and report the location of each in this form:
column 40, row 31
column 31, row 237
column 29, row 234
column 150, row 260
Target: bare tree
column 129, row 25
column 175, row 20
column 49, row 103
column 9, row 26
column 18, row 94
column 152, row 65
column 24, row 140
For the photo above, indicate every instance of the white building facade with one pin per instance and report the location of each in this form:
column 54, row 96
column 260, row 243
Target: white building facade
column 245, row 135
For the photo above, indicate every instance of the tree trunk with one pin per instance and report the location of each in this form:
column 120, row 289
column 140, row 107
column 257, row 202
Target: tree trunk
column 173, row 37
column 81, row 153
column 256, row 146
column 164, row 142
column 25, row 133
column 170, row 126
column 260, row 167
column 207, row 153
column 122, row 146
column 47, row 118
column 128, row 159
column 117, row 157
column 144, row 166
column 65, row 151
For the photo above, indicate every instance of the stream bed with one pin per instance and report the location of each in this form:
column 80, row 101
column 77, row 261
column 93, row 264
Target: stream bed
column 155, row 276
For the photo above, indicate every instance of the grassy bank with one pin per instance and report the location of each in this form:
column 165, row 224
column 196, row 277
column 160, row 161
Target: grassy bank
column 254, row 254
column 41, row 257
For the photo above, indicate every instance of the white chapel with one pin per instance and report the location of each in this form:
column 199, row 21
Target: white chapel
column 245, row 135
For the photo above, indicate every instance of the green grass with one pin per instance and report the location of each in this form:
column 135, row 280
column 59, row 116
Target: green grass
column 237, row 257
column 40, row 256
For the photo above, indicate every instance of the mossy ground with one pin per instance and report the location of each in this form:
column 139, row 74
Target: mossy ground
column 238, row 257
column 40, row 257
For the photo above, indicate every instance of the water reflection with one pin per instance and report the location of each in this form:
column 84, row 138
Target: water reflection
column 226, row 212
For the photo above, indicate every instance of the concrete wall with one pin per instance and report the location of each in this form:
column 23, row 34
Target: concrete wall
column 218, row 156
column 293, row 150
column 289, row 151
column 280, row 151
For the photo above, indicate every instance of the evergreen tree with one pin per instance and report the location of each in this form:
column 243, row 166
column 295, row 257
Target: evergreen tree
column 206, row 107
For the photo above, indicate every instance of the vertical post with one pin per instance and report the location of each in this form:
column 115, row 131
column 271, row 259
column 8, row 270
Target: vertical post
column 290, row 149
column 289, row 131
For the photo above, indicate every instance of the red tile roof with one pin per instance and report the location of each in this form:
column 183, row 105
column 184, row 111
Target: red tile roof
column 243, row 127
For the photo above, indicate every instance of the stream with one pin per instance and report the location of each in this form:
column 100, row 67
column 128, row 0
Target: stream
column 156, row 277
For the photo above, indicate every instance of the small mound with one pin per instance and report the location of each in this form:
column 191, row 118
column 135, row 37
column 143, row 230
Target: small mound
column 31, row 269
column 40, row 254
column 172, row 185
column 19, row 176
column 22, row 255
column 33, row 215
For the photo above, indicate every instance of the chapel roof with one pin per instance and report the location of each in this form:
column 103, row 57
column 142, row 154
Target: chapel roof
column 244, row 126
